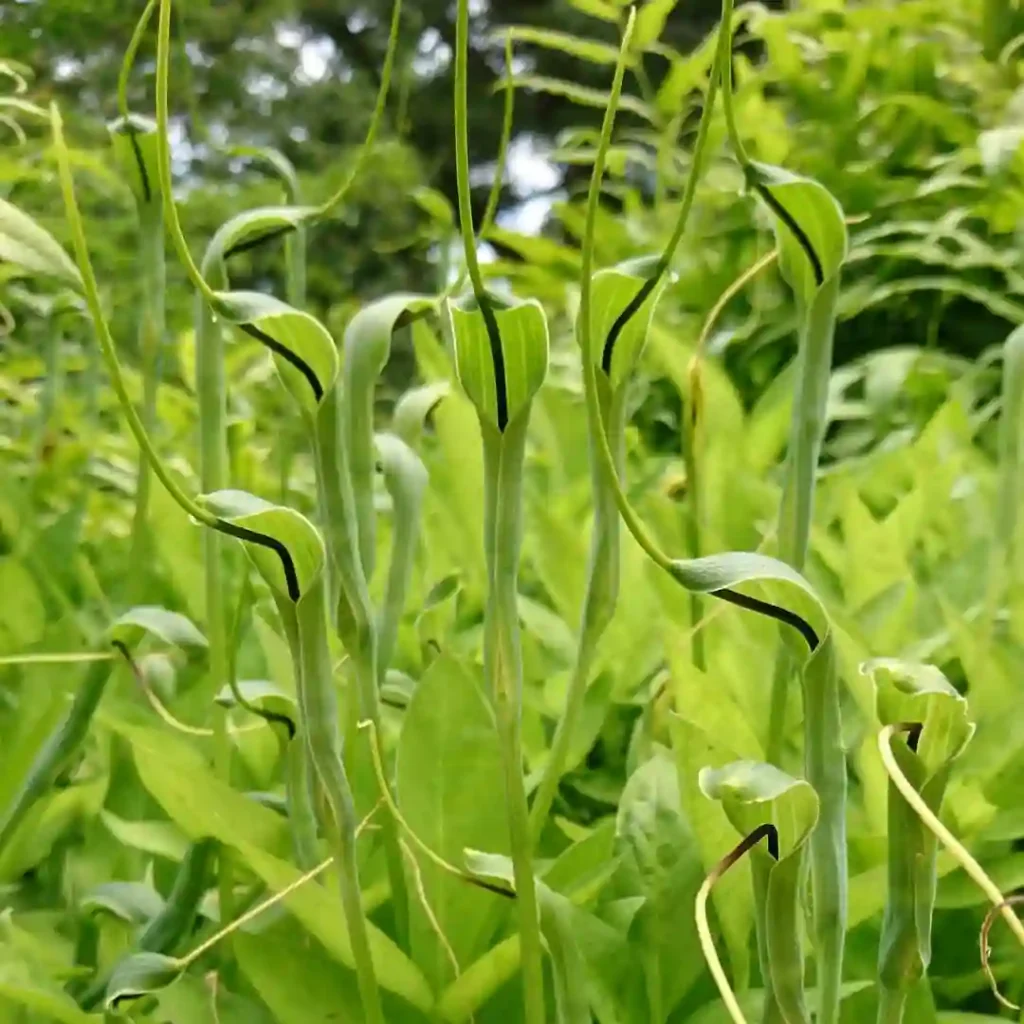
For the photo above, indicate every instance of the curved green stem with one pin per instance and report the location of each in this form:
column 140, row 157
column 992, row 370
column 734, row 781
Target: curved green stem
column 163, row 58
column 725, row 50
column 129, row 57
column 376, row 117
column 106, row 342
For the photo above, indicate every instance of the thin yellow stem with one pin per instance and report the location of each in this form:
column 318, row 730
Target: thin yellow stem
column 435, row 858
column 190, row 958
column 55, row 659
column 955, row 847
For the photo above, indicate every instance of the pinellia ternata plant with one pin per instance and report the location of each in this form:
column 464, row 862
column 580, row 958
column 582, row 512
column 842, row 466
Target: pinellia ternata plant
column 316, row 576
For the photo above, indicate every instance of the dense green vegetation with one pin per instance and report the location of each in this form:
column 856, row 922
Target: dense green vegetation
column 405, row 617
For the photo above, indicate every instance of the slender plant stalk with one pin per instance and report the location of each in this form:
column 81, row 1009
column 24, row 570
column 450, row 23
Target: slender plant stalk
column 152, row 318
column 598, row 602
column 891, row 1004
column 321, row 718
column 807, row 431
column 355, row 619
column 504, row 451
column 693, row 428
column 1011, row 428
column 503, row 467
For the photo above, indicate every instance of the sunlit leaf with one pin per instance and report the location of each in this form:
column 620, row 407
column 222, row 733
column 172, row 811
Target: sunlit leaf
column 26, row 244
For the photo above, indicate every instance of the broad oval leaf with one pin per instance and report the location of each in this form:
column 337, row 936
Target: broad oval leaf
column 170, row 627
column 26, row 244
column 138, row 975
column 754, row 793
column 501, row 381
column 284, row 546
column 134, row 141
column 135, row 903
column 253, row 228
column 618, row 349
column 304, row 351
column 413, row 408
column 809, row 228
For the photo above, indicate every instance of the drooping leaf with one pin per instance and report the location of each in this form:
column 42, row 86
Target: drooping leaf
column 304, row 352
column 276, row 160
column 170, row 627
column 26, row 244
column 809, row 227
column 283, row 545
column 754, row 793
column 413, row 408
column 260, row 693
column 500, row 376
column 367, row 347
column 138, row 975
column 135, row 903
column 252, row 228
column 916, row 693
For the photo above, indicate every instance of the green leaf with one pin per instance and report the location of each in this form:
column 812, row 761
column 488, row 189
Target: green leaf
column 170, row 627
column 500, row 383
column 612, row 291
column 132, row 902
column 754, row 793
column 304, row 352
column 447, row 773
column 134, row 141
column 574, row 46
column 283, row 545
column 809, row 227
column 321, row 913
column 50, row 1006
column 295, row 977
column 158, row 838
column 262, row 694
column 575, row 93
column 26, row 244
column 179, row 778
column 138, row 975
column 650, row 22
column 277, row 161
column 252, row 228
column 413, row 408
